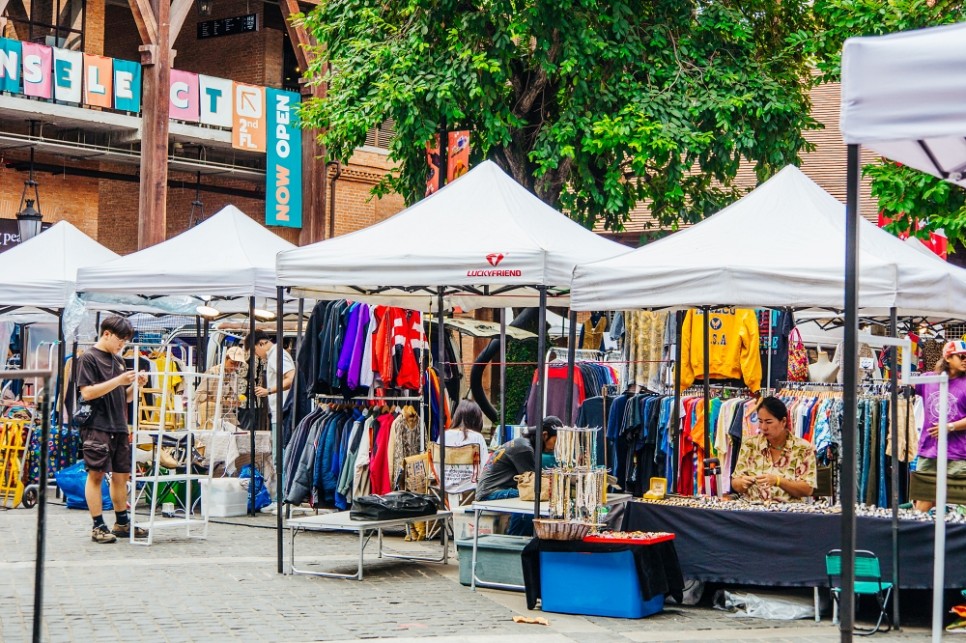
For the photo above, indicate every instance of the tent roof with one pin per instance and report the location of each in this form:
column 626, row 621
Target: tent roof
column 903, row 97
column 780, row 245
column 484, row 237
column 42, row 272
column 226, row 255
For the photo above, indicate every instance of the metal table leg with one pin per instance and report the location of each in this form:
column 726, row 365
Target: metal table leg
column 476, row 544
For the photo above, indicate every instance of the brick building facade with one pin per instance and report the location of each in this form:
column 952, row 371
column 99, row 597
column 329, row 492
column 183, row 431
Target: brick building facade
column 88, row 172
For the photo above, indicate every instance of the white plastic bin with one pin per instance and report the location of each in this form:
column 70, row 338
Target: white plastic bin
column 223, row 497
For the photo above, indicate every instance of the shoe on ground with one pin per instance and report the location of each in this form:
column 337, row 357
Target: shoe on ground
column 124, row 531
column 102, row 535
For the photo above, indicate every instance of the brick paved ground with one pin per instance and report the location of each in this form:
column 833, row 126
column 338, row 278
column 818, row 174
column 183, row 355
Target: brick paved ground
column 226, row 588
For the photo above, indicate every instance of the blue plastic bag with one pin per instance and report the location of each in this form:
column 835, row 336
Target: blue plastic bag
column 262, row 497
column 72, row 482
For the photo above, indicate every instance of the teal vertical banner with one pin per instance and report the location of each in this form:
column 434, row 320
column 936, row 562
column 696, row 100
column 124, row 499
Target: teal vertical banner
column 11, row 60
column 127, row 86
column 283, row 170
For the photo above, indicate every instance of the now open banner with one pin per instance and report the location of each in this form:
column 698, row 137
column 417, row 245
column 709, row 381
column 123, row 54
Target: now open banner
column 283, row 191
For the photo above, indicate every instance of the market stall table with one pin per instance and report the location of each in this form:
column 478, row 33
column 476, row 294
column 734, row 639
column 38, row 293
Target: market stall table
column 513, row 506
column 725, row 545
column 341, row 521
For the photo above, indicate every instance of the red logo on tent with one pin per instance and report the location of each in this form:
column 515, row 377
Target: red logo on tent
column 494, row 258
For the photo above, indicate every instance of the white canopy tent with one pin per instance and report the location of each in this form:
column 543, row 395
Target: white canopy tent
column 903, row 97
column 778, row 246
column 484, row 239
column 226, row 255
column 42, row 272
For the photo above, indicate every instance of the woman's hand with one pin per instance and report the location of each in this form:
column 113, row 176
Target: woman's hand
column 741, row 484
column 766, row 480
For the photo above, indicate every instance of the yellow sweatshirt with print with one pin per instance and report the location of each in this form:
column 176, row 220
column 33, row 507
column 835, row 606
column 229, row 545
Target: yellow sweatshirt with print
column 732, row 346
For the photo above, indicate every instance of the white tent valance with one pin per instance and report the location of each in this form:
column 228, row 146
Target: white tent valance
column 226, row 255
column 780, row 245
column 484, row 238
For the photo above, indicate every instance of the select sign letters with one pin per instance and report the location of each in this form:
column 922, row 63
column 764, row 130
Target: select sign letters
column 262, row 120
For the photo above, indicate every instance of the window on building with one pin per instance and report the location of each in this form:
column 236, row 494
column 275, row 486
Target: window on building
column 57, row 23
column 381, row 136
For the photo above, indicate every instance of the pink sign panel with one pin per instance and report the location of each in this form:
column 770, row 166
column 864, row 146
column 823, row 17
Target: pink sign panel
column 185, row 103
column 37, row 76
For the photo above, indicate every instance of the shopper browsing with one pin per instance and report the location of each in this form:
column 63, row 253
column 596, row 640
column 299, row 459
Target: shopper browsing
column 497, row 481
column 774, row 465
column 953, row 363
column 467, row 424
column 206, row 397
column 266, row 349
column 103, row 381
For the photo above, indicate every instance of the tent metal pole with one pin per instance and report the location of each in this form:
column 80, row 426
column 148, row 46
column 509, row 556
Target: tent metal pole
column 441, row 353
column 768, row 352
column 59, row 396
column 850, row 382
column 198, row 350
column 295, row 383
column 894, row 402
column 676, row 411
column 277, row 423
column 707, row 389
column 38, row 610
column 571, row 358
column 252, row 402
column 541, row 387
column 502, row 373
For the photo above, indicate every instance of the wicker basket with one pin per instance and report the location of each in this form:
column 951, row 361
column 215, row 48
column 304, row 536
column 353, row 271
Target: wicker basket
column 560, row 529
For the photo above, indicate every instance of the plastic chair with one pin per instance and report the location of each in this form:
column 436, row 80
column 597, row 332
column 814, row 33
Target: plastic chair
column 868, row 582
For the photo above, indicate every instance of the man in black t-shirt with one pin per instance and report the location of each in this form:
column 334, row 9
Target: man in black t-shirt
column 103, row 381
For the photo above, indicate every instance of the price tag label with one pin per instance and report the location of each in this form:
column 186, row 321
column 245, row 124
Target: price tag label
column 866, row 363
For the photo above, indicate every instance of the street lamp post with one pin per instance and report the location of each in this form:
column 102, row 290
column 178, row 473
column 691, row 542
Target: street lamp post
column 29, row 218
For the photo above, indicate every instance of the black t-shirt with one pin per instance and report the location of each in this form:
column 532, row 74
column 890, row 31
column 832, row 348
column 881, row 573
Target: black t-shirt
column 511, row 459
column 97, row 366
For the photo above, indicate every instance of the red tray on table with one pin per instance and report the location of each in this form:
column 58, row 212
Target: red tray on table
column 630, row 541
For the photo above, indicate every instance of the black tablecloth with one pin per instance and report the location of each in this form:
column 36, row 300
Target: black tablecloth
column 657, row 565
column 788, row 549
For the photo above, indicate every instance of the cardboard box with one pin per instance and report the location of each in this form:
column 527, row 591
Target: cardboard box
column 593, row 584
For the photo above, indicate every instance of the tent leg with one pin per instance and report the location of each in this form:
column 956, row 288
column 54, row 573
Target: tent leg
column 277, row 424
column 441, row 352
column 252, row 401
column 894, row 403
column 541, row 386
column 850, row 381
column 571, row 358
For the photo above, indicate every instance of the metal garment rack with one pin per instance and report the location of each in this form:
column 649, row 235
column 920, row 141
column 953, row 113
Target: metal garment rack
column 183, row 419
column 418, row 399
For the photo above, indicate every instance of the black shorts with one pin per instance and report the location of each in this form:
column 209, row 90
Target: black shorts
column 106, row 451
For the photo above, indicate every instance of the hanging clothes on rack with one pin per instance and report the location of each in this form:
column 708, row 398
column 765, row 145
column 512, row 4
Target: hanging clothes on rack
column 647, row 345
column 592, row 332
column 777, row 324
column 589, row 378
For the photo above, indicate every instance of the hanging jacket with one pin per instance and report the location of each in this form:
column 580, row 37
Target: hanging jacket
column 733, row 345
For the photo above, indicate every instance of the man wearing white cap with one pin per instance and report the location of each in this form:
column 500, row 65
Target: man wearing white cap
column 207, row 393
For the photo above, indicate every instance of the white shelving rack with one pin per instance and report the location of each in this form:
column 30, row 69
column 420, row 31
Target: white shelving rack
column 174, row 420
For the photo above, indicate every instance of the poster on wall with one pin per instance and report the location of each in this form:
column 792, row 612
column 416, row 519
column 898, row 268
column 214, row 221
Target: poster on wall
column 248, row 128
column 283, row 169
column 457, row 159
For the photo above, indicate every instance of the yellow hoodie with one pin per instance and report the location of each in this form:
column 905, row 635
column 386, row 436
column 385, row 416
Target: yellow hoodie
column 732, row 346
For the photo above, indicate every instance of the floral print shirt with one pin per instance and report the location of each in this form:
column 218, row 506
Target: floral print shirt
column 797, row 462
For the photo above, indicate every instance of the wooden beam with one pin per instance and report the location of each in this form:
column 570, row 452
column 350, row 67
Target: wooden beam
column 298, row 35
column 153, row 196
column 145, row 20
column 3, row 6
column 179, row 12
column 315, row 188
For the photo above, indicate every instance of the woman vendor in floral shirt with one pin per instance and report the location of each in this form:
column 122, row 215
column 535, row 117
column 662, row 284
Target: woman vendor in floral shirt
column 774, row 465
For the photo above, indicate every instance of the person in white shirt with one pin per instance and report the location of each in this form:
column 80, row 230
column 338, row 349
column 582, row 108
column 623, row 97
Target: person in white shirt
column 265, row 349
column 466, row 427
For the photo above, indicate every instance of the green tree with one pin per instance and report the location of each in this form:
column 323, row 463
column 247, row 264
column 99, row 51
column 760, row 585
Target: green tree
column 910, row 197
column 594, row 106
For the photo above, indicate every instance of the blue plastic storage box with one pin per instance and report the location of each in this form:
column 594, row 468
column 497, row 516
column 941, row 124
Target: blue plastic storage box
column 593, row 584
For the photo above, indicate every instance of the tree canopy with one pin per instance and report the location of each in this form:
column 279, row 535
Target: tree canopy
column 916, row 202
column 594, row 106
